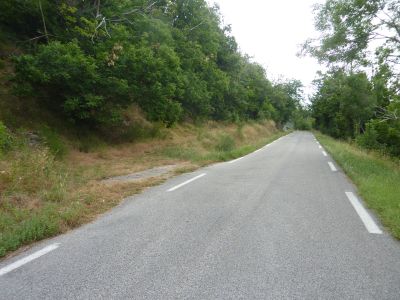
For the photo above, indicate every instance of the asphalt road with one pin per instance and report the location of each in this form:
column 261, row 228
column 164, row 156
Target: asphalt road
column 276, row 224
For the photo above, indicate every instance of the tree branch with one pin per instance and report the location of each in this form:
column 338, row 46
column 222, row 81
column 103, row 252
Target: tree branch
column 44, row 21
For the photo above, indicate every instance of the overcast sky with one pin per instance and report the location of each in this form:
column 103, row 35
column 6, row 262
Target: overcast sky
column 271, row 31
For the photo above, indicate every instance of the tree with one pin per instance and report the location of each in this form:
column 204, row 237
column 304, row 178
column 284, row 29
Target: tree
column 343, row 104
column 286, row 98
column 351, row 29
column 175, row 59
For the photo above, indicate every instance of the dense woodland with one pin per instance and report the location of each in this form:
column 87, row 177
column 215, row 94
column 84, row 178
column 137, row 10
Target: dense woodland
column 359, row 96
column 88, row 61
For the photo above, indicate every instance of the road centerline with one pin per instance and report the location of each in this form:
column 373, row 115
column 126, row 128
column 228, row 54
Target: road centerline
column 186, row 182
column 28, row 259
column 365, row 217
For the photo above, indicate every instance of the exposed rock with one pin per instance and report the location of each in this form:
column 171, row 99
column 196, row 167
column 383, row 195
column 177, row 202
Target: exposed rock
column 33, row 139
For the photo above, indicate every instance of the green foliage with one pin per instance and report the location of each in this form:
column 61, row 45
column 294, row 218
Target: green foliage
column 382, row 135
column 347, row 103
column 286, row 97
column 351, row 28
column 225, row 143
column 53, row 142
column 154, row 77
column 69, row 81
column 5, row 138
column 343, row 104
column 172, row 58
column 302, row 119
column 369, row 139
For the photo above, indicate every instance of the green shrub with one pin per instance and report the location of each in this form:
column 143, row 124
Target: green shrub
column 137, row 132
column 70, row 81
column 369, row 139
column 225, row 143
column 303, row 124
column 239, row 130
column 382, row 135
column 133, row 133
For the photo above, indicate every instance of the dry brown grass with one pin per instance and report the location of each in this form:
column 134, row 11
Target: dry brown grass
column 97, row 197
column 135, row 157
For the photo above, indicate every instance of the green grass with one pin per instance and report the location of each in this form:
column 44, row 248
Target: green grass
column 21, row 226
column 34, row 201
column 224, row 150
column 53, row 141
column 377, row 178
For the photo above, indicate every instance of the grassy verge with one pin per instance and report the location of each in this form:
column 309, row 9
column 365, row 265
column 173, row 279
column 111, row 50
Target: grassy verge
column 52, row 187
column 376, row 177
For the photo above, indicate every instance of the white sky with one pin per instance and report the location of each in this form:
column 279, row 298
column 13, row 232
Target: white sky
column 271, row 31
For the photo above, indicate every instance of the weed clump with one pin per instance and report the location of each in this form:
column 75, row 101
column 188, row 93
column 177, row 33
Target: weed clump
column 225, row 143
column 53, row 141
column 33, row 186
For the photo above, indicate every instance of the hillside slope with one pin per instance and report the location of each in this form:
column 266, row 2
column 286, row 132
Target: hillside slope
column 42, row 195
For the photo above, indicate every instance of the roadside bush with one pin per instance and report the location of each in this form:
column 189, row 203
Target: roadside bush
column 70, row 82
column 382, row 135
column 225, row 143
column 369, row 139
column 159, row 68
column 303, row 124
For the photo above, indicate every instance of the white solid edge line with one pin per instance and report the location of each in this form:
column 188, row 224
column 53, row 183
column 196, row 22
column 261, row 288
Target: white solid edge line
column 28, row 259
column 324, row 153
column 363, row 214
column 186, row 182
column 235, row 160
column 332, row 166
column 264, row 147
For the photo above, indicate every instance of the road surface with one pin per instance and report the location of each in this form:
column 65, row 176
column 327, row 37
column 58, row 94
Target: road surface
column 281, row 223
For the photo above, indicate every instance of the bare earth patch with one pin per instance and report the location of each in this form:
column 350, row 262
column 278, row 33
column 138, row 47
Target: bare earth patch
column 143, row 175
